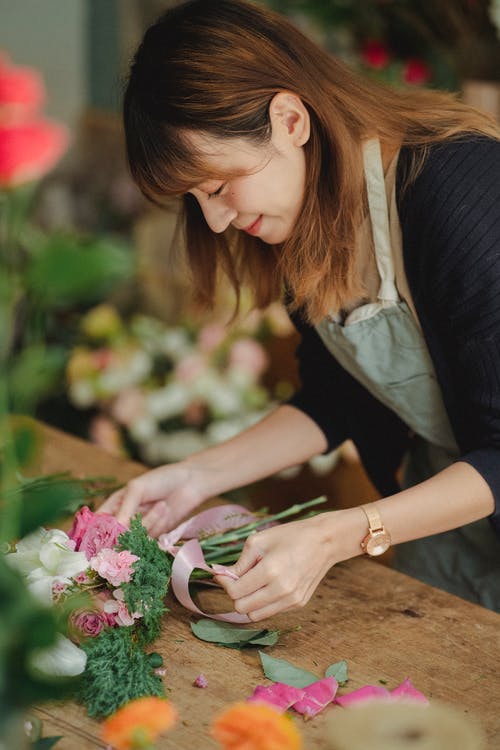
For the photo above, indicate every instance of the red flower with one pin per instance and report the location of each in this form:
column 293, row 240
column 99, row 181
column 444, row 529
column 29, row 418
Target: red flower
column 22, row 92
column 28, row 151
column 375, row 54
column 416, row 72
column 29, row 145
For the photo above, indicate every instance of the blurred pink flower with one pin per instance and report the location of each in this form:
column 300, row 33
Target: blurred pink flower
column 103, row 358
column 30, row 150
column 248, row 355
column 190, row 368
column 128, row 406
column 88, row 622
column 93, row 532
column 211, row 336
column 115, row 567
column 195, row 414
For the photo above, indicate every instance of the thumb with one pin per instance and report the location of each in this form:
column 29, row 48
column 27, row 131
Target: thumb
column 251, row 554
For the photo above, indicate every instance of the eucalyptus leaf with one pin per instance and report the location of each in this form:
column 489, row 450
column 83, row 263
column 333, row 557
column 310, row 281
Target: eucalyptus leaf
column 45, row 743
column 279, row 670
column 338, row 671
column 270, row 638
column 223, row 632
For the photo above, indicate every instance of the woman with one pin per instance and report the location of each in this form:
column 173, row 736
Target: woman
column 379, row 213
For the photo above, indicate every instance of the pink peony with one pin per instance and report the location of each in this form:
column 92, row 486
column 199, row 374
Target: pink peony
column 93, row 532
column 115, row 567
column 248, row 355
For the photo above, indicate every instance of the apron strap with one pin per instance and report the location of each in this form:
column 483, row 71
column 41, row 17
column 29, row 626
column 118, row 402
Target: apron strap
column 379, row 215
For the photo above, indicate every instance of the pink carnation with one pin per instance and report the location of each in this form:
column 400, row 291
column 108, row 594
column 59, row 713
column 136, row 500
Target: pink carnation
column 118, row 608
column 115, row 567
column 93, row 532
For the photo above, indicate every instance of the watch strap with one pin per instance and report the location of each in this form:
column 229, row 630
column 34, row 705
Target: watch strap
column 373, row 516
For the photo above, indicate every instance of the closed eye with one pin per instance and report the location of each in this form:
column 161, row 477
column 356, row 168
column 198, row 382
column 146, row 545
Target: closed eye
column 216, row 192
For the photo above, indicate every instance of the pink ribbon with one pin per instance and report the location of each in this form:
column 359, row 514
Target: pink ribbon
column 189, row 556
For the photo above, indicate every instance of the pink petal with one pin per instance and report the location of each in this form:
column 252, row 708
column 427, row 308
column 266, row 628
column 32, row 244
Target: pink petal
column 406, row 691
column 278, row 695
column 201, row 681
column 366, row 693
column 317, row 696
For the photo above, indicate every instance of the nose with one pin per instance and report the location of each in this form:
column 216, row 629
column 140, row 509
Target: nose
column 217, row 213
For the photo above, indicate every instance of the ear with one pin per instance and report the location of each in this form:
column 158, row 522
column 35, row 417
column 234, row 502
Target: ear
column 289, row 118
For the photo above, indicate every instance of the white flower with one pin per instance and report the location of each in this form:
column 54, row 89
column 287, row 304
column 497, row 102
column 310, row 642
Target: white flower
column 169, row 401
column 62, row 659
column 323, row 464
column 175, row 343
column 221, row 398
column 44, row 558
column 82, row 394
column 143, row 429
column 175, row 446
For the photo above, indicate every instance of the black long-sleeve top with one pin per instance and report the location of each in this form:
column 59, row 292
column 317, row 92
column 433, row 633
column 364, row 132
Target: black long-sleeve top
column 450, row 221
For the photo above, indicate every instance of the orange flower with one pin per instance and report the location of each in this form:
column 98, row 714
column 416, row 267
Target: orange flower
column 255, row 726
column 138, row 723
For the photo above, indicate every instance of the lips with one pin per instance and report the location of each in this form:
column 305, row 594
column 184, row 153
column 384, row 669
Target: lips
column 254, row 228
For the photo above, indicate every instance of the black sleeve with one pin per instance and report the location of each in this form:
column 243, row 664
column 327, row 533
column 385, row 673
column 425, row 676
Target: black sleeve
column 451, row 236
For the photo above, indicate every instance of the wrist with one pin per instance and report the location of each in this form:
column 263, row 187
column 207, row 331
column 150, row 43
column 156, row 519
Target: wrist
column 342, row 532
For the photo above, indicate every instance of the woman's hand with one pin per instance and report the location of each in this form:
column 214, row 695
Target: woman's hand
column 280, row 567
column 164, row 496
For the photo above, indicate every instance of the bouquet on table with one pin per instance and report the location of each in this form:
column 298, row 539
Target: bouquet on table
column 110, row 584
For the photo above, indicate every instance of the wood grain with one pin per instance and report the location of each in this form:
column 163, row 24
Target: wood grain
column 386, row 625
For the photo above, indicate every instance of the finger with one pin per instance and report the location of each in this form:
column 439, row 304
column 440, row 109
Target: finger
column 270, row 610
column 131, row 500
column 112, row 503
column 251, row 554
column 155, row 520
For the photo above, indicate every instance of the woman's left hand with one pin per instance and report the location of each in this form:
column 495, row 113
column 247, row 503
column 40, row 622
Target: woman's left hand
column 280, row 567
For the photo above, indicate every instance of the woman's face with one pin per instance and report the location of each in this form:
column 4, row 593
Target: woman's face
column 265, row 197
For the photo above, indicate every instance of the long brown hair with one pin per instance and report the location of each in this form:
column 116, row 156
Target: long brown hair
column 214, row 66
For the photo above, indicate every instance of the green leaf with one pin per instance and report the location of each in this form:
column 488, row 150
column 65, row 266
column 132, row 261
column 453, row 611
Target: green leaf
column 232, row 636
column 338, row 670
column 279, row 670
column 69, row 270
column 33, row 374
column 45, row 743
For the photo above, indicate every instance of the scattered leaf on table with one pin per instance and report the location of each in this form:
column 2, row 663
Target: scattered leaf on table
column 232, row 636
column 339, row 671
column 279, row 670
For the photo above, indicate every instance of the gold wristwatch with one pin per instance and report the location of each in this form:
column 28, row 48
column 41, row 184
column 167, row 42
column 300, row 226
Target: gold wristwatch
column 378, row 539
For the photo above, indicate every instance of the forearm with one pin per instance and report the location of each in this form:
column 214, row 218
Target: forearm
column 284, row 438
column 456, row 496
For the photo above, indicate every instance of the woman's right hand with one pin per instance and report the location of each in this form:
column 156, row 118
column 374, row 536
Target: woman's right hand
column 163, row 496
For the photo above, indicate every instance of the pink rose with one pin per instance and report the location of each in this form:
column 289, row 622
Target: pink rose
column 93, row 532
column 115, row 567
column 88, row 623
column 249, row 356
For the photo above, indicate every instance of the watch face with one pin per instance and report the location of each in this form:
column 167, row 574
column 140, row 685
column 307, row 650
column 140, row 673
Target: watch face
column 377, row 543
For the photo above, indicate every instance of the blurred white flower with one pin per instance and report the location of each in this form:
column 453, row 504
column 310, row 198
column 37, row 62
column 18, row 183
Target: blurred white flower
column 176, row 343
column 323, row 464
column 216, row 391
column 62, row 659
column 169, row 401
column 143, row 429
column 82, row 393
column 174, row 446
column 44, row 558
column 128, row 406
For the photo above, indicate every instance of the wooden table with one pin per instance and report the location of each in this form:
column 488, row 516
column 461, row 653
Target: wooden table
column 386, row 625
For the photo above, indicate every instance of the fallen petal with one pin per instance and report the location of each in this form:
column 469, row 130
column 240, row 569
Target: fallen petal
column 406, row 691
column 201, row 681
column 279, row 695
column 317, row 696
column 362, row 695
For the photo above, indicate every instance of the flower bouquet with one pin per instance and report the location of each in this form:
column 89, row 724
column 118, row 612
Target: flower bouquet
column 108, row 585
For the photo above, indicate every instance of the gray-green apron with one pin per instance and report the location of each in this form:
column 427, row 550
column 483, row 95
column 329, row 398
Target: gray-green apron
column 380, row 343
